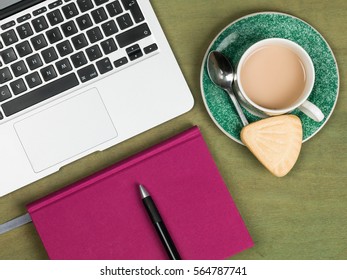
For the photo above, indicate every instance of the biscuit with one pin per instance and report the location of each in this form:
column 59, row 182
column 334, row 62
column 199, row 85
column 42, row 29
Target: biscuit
column 275, row 142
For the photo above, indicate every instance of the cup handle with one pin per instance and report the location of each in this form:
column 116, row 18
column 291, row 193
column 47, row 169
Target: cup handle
column 311, row 111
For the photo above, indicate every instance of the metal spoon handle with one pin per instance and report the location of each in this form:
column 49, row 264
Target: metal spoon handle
column 237, row 107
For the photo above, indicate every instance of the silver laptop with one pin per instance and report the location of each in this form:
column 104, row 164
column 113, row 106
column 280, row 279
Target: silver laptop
column 78, row 76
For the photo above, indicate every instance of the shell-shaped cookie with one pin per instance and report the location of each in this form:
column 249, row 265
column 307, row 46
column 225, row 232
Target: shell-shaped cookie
column 276, row 142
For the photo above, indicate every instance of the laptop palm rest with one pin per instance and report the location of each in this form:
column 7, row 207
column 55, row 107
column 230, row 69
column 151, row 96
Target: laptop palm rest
column 54, row 135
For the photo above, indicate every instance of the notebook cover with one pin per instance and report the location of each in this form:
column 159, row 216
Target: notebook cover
column 102, row 216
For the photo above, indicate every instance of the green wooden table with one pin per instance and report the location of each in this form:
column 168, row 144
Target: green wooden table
column 300, row 216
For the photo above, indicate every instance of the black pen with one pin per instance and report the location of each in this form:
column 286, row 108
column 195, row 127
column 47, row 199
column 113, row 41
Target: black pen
column 159, row 224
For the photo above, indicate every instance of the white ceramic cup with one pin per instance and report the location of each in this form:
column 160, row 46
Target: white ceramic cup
column 301, row 103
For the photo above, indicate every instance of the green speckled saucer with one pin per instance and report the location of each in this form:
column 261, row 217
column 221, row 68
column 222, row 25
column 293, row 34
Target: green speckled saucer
column 237, row 37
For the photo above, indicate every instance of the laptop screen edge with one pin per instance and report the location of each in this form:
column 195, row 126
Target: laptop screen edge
column 17, row 7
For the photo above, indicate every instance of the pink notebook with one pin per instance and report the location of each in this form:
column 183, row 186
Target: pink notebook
column 102, row 216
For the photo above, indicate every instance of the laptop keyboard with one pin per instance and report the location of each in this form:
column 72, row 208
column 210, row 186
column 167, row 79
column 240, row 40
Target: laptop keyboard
column 65, row 45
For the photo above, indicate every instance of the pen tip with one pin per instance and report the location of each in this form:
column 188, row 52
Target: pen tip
column 143, row 191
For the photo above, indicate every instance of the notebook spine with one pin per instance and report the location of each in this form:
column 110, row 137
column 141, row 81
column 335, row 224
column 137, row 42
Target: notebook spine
column 179, row 139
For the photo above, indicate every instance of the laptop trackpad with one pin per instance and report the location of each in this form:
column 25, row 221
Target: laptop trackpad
column 65, row 130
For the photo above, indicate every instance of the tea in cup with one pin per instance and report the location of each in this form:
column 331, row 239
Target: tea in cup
column 276, row 76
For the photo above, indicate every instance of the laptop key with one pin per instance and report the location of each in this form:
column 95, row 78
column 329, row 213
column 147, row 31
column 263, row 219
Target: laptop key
column 55, row 4
column 39, row 11
column 114, row 8
column 120, row 62
column 134, row 52
column 38, row 95
column 70, row 10
column 93, row 52
column 79, row 59
column 8, row 25
column 49, row 55
column 9, row 37
column 64, row 48
column 133, row 35
column 39, row 42
column 99, row 15
column 87, row 73
column 25, row 30
column 63, row 66
column 104, row 65
column 4, row 93
column 39, row 24
column 124, row 21
column 109, row 46
column 54, row 35
column 150, row 48
column 34, row 61
column 85, row 5
column 1, row 116
column 5, row 75
column 23, row 18
column 84, row 22
column 134, row 8
column 79, row 41
column 69, row 28
column 8, row 55
column 33, row 79
column 55, row 17
column 19, row 68
column 94, row 35
column 18, row 86
column 109, row 28
column 48, row 73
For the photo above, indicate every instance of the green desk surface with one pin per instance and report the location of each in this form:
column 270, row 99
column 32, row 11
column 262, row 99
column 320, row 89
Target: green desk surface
column 300, row 216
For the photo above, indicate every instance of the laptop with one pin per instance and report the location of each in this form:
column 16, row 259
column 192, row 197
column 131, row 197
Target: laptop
column 79, row 76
